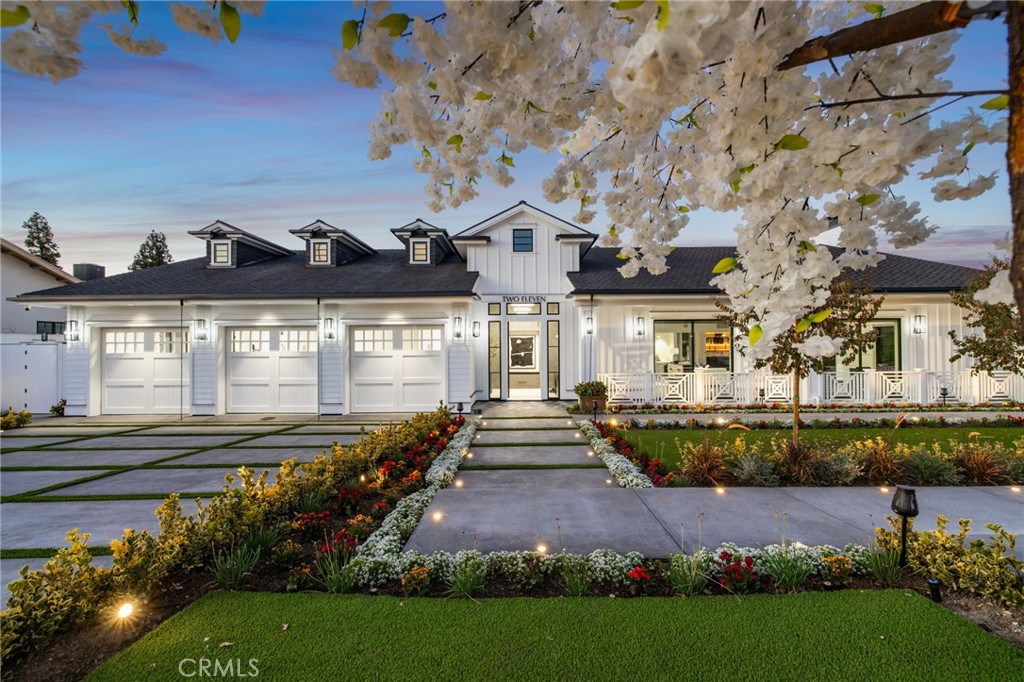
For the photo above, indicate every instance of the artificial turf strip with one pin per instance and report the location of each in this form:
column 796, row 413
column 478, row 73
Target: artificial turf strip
column 502, row 467
column 47, row 552
column 849, row 635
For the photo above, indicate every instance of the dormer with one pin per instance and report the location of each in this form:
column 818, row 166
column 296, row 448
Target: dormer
column 425, row 244
column 328, row 246
column 230, row 247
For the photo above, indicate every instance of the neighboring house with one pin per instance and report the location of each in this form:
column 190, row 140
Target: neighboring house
column 518, row 307
column 31, row 338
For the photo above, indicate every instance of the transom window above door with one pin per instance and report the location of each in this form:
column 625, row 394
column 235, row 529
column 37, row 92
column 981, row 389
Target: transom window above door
column 522, row 241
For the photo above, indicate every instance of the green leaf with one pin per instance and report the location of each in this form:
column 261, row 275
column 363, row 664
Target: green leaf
column 626, row 5
column 792, row 143
column 868, row 199
column 662, row 14
column 230, row 20
column 14, row 17
column 533, row 35
column 725, row 265
column 349, row 34
column 530, row 105
column 684, row 209
column 967, row 149
column 747, row 169
column 805, row 246
column 507, row 160
column 432, row 85
column 755, row 334
column 482, row 96
column 836, row 167
column 395, row 24
column 457, row 141
column 820, row 316
column 899, row 114
column 734, row 185
column 427, row 154
column 996, row 103
column 133, row 10
column 613, row 231
column 621, row 257
column 875, row 9
column 803, row 325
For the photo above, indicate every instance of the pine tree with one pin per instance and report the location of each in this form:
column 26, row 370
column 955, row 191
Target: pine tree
column 152, row 252
column 39, row 240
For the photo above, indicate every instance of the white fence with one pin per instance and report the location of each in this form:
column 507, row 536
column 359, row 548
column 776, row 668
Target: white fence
column 31, row 375
column 867, row 387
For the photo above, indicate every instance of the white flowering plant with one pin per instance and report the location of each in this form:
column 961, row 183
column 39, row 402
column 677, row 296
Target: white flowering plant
column 626, row 474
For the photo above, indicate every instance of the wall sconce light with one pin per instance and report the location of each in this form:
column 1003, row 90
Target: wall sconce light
column 920, row 324
column 588, row 324
column 328, row 327
column 476, row 330
column 458, row 327
column 904, row 503
column 73, row 334
column 640, row 326
column 201, row 332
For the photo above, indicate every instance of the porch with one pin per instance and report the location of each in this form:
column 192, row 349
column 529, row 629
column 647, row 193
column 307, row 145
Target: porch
column 866, row 387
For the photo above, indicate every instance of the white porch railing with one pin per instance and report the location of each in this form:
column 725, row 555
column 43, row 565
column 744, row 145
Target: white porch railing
column 867, row 387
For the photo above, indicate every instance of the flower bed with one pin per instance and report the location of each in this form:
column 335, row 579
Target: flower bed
column 834, row 423
column 625, row 471
column 651, row 408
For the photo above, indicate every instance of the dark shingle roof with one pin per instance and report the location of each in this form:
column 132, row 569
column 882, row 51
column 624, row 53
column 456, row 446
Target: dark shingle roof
column 383, row 274
column 690, row 271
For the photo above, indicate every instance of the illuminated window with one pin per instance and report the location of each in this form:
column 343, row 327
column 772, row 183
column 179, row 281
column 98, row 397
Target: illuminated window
column 250, row 340
column 420, row 251
column 372, row 340
column 320, row 253
column 421, row 339
column 494, row 309
column 297, row 340
column 124, row 343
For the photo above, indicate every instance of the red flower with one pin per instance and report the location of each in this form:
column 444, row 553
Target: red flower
column 639, row 573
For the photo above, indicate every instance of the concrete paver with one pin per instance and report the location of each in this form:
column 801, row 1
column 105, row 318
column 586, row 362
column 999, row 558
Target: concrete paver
column 156, row 481
column 70, row 458
column 66, row 430
column 11, row 443
column 539, row 423
column 332, row 429
column 528, row 410
column 214, row 429
column 523, row 437
column 45, row 524
column 17, row 482
column 143, row 442
column 533, row 454
column 249, row 456
column 300, row 440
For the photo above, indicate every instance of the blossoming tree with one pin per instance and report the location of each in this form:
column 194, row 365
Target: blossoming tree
column 659, row 108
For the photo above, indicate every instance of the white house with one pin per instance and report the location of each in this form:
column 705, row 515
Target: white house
column 31, row 338
column 518, row 307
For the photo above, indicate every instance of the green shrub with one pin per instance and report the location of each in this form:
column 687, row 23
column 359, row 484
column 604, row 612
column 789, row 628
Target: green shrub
column 140, row 562
column 469, row 574
column 335, row 571
column 885, row 566
column 688, row 573
column 837, row 470
column 13, row 421
column 68, row 590
column 922, row 467
column 311, row 502
column 797, row 463
column 576, row 574
column 263, row 538
column 231, row 568
column 881, row 460
column 703, row 464
column 594, row 389
column 980, row 463
column 991, row 570
column 752, row 469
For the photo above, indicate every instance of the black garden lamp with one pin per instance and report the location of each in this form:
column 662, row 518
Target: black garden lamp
column 593, row 405
column 760, row 393
column 943, row 393
column 458, row 408
column 904, row 503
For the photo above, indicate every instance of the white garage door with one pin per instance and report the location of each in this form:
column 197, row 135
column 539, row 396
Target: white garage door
column 272, row 370
column 397, row 369
column 145, row 371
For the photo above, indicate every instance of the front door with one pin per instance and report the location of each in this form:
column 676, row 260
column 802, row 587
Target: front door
column 524, row 360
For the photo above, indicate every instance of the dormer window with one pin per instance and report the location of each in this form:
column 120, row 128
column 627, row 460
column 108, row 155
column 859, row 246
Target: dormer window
column 419, row 250
column 320, row 252
column 220, row 253
column 522, row 241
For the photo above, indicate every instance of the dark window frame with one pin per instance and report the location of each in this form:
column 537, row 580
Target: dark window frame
column 522, row 240
column 47, row 327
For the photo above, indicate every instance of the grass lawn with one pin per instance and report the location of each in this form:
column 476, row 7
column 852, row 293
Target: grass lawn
column 893, row 635
column 661, row 443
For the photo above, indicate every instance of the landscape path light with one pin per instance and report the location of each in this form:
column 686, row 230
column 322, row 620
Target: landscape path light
column 904, row 503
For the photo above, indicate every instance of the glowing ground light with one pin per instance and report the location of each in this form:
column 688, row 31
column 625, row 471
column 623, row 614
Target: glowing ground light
column 542, row 549
column 614, row 422
column 590, row 453
column 469, row 455
column 884, row 490
column 720, row 490
column 458, row 484
column 608, row 481
column 720, row 420
column 577, row 435
column 437, row 516
column 1015, row 488
column 125, row 610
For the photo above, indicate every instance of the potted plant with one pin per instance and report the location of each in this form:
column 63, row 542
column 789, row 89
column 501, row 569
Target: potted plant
column 591, row 393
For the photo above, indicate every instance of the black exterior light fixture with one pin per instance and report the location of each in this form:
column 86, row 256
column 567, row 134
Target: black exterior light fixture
column 904, row 503
column 943, row 393
column 760, row 393
column 476, row 330
column 459, row 408
column 593, row 405
column 458, row 327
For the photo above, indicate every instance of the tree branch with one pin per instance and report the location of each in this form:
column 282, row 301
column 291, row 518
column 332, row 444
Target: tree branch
column 916, row 95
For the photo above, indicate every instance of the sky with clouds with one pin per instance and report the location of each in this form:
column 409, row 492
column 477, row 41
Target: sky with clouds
column 260, row 135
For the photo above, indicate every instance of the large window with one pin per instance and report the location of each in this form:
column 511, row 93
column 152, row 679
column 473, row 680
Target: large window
column 884, row 355
column 522, row 241
column 494, row 360
column 553, row 369
column 49, row 327
column 683, row 345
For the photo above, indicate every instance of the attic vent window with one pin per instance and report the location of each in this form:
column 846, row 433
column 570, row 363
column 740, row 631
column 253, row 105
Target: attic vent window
column 320, row 253
column 221, row 253
column 420, row 251
column 522, row 241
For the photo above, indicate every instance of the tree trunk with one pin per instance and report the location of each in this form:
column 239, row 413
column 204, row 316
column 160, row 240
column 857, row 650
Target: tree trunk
column 796, row 407
column 1015, row 150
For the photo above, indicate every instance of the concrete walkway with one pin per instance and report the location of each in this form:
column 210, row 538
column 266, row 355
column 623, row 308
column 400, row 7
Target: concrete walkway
column 521, row 506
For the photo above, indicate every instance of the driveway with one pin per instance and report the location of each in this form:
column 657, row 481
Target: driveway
column 104, row 474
